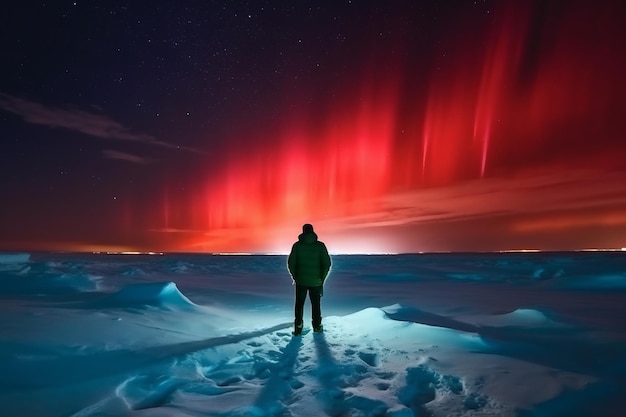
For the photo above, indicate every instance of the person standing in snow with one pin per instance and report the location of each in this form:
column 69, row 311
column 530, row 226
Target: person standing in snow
column 308, row 264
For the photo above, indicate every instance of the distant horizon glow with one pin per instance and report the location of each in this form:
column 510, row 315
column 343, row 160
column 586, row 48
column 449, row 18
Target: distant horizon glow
column 335, row 253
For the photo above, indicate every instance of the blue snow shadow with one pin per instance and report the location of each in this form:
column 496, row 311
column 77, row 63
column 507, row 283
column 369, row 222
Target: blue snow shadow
column 28, row 367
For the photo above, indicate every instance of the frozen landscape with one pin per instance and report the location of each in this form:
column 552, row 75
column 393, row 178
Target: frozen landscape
column 511, row 334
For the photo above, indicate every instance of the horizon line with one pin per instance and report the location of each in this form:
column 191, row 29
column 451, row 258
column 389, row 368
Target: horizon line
column 236, row 253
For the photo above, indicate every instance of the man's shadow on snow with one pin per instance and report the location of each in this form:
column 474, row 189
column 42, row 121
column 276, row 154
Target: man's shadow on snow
column 333, row 376
column 328, row 375
column 281, row 382
column 324, row 355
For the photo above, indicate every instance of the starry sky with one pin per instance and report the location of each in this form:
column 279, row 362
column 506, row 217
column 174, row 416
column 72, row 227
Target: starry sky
column 392, row 126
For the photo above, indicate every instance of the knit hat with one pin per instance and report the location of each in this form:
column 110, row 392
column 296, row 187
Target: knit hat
column 307, row 228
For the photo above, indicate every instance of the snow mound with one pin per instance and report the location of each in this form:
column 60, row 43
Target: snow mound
column 165, row 295
column 383, row 322
column 31, row 281
column 134, row 272
column 600, row 282
column 180, row 268
column 546, row 273
column 522, row 317
column 79, row 282
column 13, row 261
column 415, row 315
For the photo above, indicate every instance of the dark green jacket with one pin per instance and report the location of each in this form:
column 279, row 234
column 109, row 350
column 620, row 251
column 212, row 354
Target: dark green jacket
column 309, row 261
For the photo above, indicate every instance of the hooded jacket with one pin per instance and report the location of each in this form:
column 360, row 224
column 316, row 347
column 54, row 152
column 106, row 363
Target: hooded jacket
column 309, row 261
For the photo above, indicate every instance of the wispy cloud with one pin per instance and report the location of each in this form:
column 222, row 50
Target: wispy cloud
column 92, row 124
column 125, row 156
column 538, row 195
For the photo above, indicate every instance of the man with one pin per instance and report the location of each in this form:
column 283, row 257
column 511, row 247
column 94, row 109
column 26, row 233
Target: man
column 309, row 264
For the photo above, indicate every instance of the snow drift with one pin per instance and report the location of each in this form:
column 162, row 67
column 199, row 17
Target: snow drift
column 163, row 295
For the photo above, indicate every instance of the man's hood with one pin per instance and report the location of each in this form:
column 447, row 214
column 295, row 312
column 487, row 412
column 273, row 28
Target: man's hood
column 310, row 237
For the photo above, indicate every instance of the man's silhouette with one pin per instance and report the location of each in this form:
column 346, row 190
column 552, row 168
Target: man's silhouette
column 309, row 264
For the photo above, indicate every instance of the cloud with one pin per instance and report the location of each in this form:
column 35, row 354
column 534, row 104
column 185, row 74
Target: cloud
column 537, row 194
column 92, row 124
column 124, row 156
column 557, row 222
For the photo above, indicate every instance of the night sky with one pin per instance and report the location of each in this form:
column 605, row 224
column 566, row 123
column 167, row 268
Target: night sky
column 392, row 126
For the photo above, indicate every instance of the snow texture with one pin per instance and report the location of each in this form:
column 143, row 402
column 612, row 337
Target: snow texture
column 407, row 335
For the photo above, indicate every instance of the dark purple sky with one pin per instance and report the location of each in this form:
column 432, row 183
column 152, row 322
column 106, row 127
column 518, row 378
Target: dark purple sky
column 395, row 126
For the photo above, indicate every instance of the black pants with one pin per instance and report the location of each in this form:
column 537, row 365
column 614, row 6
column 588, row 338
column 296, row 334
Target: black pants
column 315, row 295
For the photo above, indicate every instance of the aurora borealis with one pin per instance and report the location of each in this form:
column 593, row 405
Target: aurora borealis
column 404, row 127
